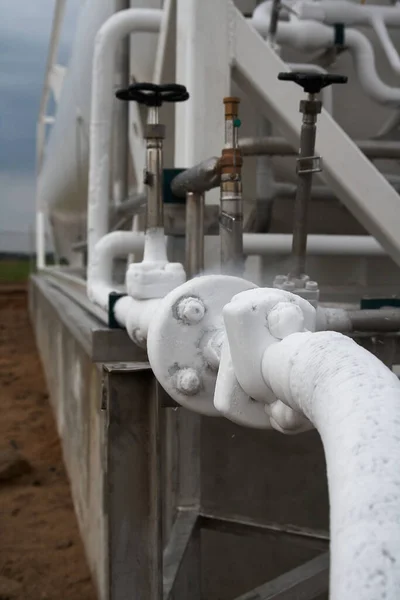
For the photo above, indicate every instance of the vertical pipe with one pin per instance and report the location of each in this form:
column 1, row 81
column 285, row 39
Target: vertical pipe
column 154, row 134
column 118, row 26
column 120, row 147
column 231, row 217
column 194, row 249
column 40, row 240
column 273, row 24
column 305, row 169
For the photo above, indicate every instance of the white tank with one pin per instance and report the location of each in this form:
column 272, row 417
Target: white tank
column 63, row 182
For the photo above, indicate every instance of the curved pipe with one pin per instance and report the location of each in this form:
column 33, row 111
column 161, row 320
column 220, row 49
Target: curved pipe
column 354, row 402
column 114, row 29
column 135, row 316
column 378, row 25
column 363, row 56
column 312, row 35
column 99, row 275
column 349, row 13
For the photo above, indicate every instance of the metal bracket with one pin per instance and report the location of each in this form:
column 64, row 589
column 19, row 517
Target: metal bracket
column 308, row 164
column 226, row 221
column 168, row 195
column 112, row 299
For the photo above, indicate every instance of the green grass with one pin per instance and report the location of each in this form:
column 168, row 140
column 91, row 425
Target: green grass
column 15, row 270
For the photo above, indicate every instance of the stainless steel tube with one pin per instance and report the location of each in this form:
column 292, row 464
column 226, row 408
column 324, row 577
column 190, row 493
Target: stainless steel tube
column 207, row 175
column 231, row 232
column 155, row 209
column 303, row 195
column 194, row 248
column 231, row 216
column 274, row 146
column 382, row 320
column 154, row 134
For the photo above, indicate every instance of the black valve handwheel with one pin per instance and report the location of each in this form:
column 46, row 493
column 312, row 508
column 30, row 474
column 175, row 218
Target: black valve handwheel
column 151, row 94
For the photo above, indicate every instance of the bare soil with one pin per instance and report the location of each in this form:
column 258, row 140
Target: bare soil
column 41, row 554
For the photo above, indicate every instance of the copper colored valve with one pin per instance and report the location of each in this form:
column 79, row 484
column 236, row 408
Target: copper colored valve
column 231, row 161
column 231, row 107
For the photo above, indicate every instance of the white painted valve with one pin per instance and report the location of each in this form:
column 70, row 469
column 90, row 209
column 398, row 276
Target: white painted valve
column 185, row 338
column 147, row 280
column 155, row 276
column 254, row 321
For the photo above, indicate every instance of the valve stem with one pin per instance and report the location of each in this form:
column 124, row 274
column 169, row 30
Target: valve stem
column 231, row 215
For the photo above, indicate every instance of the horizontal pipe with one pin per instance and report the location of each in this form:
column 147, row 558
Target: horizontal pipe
column 383, row 320
column 262, row 244
column 274, row 146
column 331, row 12
column 311, row 35
column 206, row 175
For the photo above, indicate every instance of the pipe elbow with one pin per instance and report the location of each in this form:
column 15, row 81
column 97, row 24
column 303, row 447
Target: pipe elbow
column 363, row 56
column 354, row 402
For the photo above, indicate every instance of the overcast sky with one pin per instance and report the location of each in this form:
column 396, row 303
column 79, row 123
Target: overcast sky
column 25, row 27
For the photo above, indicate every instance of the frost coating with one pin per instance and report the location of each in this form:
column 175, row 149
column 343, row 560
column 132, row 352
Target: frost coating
column 354, row 402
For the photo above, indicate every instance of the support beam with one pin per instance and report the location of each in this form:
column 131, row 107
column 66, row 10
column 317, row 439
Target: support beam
column 178, row 545
column 356, row 182
column 133, row 482
column 244, row 526
column 303, row 583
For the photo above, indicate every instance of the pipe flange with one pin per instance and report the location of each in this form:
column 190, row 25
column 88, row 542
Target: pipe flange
column 187, row 324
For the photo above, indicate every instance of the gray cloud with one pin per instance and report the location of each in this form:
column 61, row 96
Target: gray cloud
column 25, row 29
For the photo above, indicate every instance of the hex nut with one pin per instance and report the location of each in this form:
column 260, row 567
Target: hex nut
column 188, row 381
column 191, row 310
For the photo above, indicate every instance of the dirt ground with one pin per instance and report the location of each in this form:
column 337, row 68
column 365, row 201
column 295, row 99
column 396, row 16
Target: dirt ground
column 41, row 554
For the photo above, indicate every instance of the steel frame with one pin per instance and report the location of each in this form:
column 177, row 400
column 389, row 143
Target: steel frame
column 152, row 487
column 139, row 560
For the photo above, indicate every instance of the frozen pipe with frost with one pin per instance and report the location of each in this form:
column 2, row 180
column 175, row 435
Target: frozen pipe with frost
column 353, row 400
column 99, row 275
column 312, row 35
column 134, row 315
column 118, row 26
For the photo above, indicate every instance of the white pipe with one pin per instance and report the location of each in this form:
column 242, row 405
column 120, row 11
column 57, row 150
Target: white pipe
column 326, row 93
column 363, row 56
column 348, row 13
column 301, row 35
column 382, row 33
column 40, row 239
column 321, row 245
column 311, row 35
column 99, row 275
column 354, row 402
column 331, row 12
column 135, row 316
column 112, row 31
